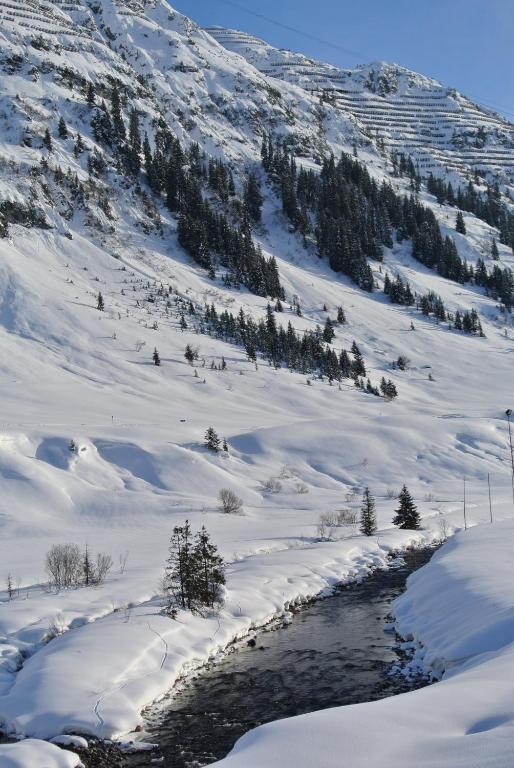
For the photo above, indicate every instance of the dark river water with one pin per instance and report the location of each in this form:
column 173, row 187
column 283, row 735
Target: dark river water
column 334, row 652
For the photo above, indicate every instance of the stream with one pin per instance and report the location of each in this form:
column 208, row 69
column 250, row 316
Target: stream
column 334, row 652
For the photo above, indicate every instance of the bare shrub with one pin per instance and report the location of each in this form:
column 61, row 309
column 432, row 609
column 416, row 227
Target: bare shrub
column 301, row 488
column 444, row 528
column 347, row 517
column 429, row 497
column 63, row 565
column 103, row 566
column 271, row 485
column 123, row 561
column 392, row 493
column 329, row 519
column 56, row 627
column 287, row 472
column 324, row 530
column 352, row 494
column 229, row 502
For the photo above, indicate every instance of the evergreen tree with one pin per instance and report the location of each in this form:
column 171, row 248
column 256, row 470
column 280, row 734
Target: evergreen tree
column 134, row 144
column 194, row 574
column 179, row 576
column 87, row 568
column 368, row 521
column 47, row 140
column 328, row 331
column 155, row 357
column 212, row 440
column 78, row 147
column 253, row 198
column 460, row 225
column 90, row 94
column 208, row 570
column 189, row 354
column 62, row 130
column 341, row 317
column 407, row 515
column 117, row 119
column 495, row 255
column 225, row 445
column 100, row 302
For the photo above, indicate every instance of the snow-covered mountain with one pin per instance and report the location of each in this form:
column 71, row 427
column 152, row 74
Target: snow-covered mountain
column 86, row 210
column 439, row 128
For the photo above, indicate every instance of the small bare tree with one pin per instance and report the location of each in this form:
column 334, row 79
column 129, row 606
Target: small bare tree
column 103, row 566
column 123, row 561
column 272, row 485
column 229, row 502
column 64, row 565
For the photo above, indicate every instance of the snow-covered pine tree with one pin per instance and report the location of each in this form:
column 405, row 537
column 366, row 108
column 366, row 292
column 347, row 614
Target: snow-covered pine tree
column 212, row 440
column 179, row 578
column 368, row 521
column 208, row 569
column 155, row 357
column 460, row 225
column 189, row 354
column 62, row 130
column 407, row 515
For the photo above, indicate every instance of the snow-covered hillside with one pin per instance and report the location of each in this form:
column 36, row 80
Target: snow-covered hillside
column 442, row 130
column 76, row 225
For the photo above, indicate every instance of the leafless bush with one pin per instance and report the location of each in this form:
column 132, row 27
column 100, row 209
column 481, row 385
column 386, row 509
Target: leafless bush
column 63, row 565
column 123, row 561
column 56, row 627
column 444, row 528
column 301, row 488
column 271, row 485
column 346, row 517
column 229, row 502
column 429, row 497
column 328, row 519
column 352, row 494
column 324, row 530
column 392, row 493
column 103, row 566
column 287, row 472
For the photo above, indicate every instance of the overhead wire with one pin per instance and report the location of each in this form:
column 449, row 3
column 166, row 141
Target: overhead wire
column 508, row 113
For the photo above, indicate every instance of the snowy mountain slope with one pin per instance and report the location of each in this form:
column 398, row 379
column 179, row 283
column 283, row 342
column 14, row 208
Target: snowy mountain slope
column 442, row 130
column 71, row 372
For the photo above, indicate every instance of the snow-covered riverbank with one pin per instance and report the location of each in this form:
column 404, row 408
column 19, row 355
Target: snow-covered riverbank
column 97, row 676
column 460, row 609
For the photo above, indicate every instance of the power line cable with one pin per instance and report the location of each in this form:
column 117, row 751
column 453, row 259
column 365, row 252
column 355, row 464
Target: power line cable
column 342, row 49
column 297, row 31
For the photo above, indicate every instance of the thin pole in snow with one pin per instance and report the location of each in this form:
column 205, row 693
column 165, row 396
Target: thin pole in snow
column 508, row 414
column 465, row 521
column 490, row 504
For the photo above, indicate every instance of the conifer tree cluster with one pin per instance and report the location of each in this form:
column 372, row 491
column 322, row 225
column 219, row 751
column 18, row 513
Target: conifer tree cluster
column 487, row 206
column 179, row 176
column 352, row 218
column 399, row 291
column 306, row 353
column 194, row 574
column 499, row 283
column 468, row 322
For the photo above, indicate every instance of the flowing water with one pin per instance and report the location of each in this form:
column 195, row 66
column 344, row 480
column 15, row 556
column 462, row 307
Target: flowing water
column 334, row 652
